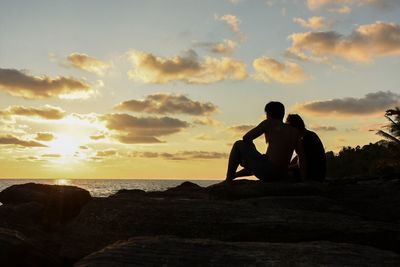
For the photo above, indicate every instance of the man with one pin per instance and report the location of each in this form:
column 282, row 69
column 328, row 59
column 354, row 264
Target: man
column 282, row 140
column 314, row 163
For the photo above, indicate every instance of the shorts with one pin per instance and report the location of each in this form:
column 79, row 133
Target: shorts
column 257, row 163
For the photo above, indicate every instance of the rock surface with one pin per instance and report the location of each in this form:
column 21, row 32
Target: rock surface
column 60, row 203
column 362, row 219
column 169, row 251
column 274, row 215
column 16, row 250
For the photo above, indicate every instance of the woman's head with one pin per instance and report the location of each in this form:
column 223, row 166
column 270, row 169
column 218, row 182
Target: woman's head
column 296, row 121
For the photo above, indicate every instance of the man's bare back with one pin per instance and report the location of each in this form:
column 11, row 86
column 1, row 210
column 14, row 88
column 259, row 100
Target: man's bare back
column 282, row 140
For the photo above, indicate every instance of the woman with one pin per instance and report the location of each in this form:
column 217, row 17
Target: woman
column 314, row 152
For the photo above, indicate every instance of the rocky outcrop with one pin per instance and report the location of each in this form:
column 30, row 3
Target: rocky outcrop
column 59, row 203
column 279, row 213
column 352, row 221
column 169, row 251
column 16, row 250
column 242, row 189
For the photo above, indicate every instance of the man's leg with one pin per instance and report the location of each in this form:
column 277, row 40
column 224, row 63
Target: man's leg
column 234, row 161
column 239, row 150
column 243, row 172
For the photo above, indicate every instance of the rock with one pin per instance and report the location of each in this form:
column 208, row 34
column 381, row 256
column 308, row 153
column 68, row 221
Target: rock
column 130, row 192
column 252, row 189
column 16, row 250
column 372, row 202
column 186, row 187
column 60, row 203
column 21, row 216
column 208, row 218
column 274, row 218
column 170, row 251
column 185, row 190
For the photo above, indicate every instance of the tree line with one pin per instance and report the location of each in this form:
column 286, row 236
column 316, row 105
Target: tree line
column 378, row 159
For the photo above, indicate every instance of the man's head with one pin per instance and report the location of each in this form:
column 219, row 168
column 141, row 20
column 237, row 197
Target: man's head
column 275, row 110
column 296, row 121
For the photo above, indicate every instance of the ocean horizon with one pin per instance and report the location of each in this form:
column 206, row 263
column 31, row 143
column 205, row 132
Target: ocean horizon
column 107, row 187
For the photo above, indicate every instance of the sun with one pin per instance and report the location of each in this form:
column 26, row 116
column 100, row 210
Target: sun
column 64, row 145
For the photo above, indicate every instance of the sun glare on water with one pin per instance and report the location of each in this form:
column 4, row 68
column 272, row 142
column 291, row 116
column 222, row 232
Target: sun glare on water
column 62, row 182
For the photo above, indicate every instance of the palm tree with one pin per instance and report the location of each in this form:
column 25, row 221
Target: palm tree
column 394, row 128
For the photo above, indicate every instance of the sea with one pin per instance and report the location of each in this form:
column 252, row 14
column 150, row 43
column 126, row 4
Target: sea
column 107, row 187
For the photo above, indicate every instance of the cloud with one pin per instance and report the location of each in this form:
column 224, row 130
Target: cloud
column 182, row 155
column 87, row 63
column 235, row 2
column 242, row 129
column 226, row 47
column 21, row 84
column 134, row 139
column 133, row 130
column 363, row 45
column 106, row 153
column 98, row 136
column 45, row 112
column 162, row 103
column 44, row 137
column 206, row 121
column 51, row 156
column 314, row 23
column 341, row 10
column 372, row 103
column 270, row 70
column 341, row 5
column 233, row 23
column 323, row 128
column 28, row 158
column 186, row 68
column 13, row 140
column 205, row 137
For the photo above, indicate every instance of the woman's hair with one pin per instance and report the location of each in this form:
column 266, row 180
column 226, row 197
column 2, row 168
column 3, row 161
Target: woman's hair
column 296, row 121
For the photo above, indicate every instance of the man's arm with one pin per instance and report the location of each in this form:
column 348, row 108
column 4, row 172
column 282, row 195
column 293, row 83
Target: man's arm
column 255, row 132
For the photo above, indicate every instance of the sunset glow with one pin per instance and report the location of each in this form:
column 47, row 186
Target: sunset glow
column 64, row 145
column 161, row 89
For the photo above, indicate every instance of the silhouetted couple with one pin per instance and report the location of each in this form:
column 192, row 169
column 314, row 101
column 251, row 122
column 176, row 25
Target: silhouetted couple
column 283, row 139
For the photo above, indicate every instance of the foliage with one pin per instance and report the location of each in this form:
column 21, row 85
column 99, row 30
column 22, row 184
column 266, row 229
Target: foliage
column 393, row 134
column 381, row 158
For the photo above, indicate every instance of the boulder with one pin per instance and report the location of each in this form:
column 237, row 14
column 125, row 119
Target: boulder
column 274, row 218
column 323, row 216
column 16, row 250
column 379, row 202
column 252, row 189
column 60, row 202
column 21, row 216
column 184, row 190
column 170, row 251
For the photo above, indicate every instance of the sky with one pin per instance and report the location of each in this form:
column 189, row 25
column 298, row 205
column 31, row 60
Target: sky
column 162, row 89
